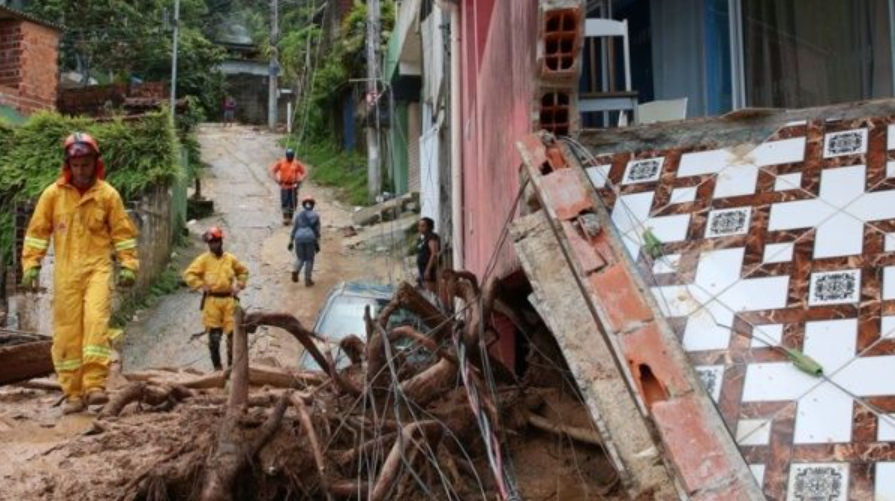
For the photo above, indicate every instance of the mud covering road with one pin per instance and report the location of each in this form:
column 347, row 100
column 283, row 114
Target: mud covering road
column 247, row 202
column 247, row 207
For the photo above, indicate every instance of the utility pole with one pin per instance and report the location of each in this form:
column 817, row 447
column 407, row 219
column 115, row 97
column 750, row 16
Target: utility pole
column 274, row 69
column 174, row 58
column 374, row 173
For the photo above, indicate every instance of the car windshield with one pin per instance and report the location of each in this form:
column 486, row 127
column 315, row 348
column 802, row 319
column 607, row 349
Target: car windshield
column 345, row 316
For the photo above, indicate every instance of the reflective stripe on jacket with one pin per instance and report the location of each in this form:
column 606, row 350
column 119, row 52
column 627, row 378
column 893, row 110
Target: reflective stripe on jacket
column 85, row 229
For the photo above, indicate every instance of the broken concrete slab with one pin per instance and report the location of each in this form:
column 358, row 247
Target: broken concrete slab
column 625, row 430
column 387, row 211
column 695, row 441
column 385, row 236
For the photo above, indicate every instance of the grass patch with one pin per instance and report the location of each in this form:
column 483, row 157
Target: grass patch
column 346, row 171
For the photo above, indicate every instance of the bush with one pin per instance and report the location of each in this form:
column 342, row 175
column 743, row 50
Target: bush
column 137, row 155
column 334, row 167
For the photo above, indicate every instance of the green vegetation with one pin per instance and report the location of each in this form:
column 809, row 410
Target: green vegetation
column 344, row 170
column 113, row 40
column 137, row 155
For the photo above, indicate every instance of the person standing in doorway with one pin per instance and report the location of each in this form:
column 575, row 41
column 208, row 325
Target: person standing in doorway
column 305, row 240
column 428, row 252
column 86, row 219
column 289, row 173
column 220, row 277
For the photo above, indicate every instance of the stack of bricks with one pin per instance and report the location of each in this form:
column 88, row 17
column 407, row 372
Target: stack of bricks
column 560, row 38
column 29, row 73
column 102, row 100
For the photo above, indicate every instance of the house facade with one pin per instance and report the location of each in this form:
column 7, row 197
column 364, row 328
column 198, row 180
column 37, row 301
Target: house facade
column 29, row 72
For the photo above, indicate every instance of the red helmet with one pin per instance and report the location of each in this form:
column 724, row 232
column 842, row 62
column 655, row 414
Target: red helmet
column 213, row 233
column 81, row 144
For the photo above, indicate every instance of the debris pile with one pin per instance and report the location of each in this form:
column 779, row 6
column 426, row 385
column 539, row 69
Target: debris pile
column 408, row 412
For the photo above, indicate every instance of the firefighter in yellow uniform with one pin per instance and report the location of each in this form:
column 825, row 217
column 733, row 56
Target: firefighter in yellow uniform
column 86, row 219
column 220, row 276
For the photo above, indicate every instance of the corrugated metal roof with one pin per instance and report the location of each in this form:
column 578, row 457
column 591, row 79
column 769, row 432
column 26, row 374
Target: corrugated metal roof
column 9, row 12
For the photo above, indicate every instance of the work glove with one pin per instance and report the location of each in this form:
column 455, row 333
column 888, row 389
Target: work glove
column 316, row 247
column 30, row 277
column 126, row 278
column 291, row 246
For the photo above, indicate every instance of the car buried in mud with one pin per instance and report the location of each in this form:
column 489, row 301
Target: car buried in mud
column 342, row 315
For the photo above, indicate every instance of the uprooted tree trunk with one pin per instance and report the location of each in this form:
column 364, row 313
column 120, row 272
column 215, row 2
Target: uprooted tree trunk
column 233, row 449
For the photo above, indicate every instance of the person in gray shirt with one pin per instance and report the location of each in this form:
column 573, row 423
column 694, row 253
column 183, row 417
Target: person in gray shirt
column 305, row 240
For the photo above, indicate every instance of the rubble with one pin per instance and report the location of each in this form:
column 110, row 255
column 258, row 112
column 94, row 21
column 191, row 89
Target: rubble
column 414, row 415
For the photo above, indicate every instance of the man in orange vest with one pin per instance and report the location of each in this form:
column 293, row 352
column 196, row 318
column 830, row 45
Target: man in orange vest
column 289, row 173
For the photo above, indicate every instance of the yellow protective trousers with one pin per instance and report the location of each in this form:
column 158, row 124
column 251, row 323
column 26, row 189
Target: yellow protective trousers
column 81, row 312
column 218, row 313
column 85, row 230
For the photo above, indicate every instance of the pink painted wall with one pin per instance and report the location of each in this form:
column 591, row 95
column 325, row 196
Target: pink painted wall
column 499, row 81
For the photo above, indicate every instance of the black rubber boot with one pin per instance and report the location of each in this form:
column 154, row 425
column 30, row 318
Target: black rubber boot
column 295, row 276
column 214, row 346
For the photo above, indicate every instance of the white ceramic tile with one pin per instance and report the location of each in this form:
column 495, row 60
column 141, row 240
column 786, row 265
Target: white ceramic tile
column 775, row 382
column 889, row 282
column 890, row 169
column 598, row 175
column 712, row 377
column 885, row 428
column 884, row 489
column 785, row 182
column 643, row 171
column 890, row 242
column 758, row 472
column 840, row 235
column 832, row 343
column 887, row 327
column 736, row 180
column 778, row 253
column 683, row 195
column 849, row 142
column 824, row 416
column 868, row 376
column 779, row 152
column 764, row 336
column 727, row 222
column 667, row 264
column 890, row 137
column 754, row 432
column 835, row 287
column 817, row 482
column 704, row 162
column 717, row 294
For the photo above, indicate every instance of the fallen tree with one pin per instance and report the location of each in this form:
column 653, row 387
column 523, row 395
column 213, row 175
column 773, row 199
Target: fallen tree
column 417, row 414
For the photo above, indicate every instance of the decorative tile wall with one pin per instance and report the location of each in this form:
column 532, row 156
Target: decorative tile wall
column 787, row 244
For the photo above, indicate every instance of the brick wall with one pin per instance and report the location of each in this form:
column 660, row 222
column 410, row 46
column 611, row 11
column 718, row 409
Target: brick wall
column 10, row 53
column 29, row 72
column 40, row 68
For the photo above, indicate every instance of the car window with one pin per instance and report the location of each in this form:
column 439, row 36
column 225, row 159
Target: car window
column 345, row 316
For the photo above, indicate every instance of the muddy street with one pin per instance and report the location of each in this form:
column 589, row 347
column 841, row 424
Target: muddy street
column 247, row 201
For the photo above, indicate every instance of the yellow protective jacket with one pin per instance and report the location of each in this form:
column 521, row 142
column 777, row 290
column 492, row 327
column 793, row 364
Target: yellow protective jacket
column 85, row 228
column 216, row 272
